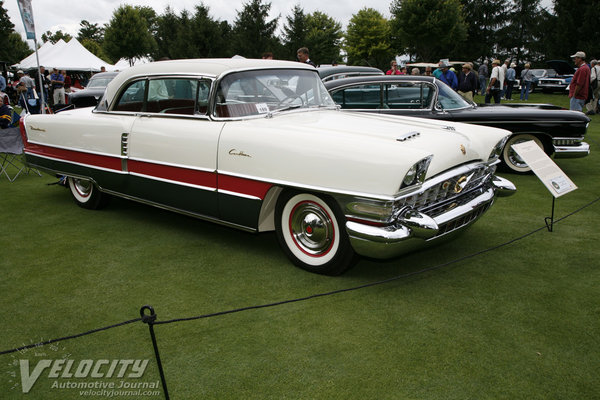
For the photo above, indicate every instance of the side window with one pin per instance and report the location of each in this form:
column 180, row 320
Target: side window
column 172, row 96
column 361, row 96
column 408, row 95
column 132, row 99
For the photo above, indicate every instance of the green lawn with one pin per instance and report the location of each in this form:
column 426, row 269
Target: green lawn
column 518, row 322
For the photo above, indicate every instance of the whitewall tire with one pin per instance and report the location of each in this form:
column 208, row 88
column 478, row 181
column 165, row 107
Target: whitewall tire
column 311, row 231
column 86, row 194
column 511, row 159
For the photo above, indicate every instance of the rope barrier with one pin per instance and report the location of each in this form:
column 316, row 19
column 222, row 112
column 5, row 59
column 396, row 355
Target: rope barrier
column 150, row 318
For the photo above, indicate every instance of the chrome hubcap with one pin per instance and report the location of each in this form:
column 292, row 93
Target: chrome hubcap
column 312, row 228
column 83, row 187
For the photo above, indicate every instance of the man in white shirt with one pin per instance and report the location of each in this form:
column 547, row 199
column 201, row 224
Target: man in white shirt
column 494, row 88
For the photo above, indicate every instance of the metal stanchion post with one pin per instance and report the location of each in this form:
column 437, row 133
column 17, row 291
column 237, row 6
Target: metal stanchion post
column 149, row 319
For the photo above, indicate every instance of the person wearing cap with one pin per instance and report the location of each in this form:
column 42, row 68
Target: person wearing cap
column 579, row 87
column 25, row 88
column 447, row 76
column 467, row 82
column 494, row 89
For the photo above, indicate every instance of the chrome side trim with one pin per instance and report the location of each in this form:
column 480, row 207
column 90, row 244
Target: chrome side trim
column 168, row 164
column 580, row 150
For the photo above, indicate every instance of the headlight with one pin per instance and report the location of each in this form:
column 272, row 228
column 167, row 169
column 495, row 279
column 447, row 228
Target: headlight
column 497, row 150
column 416, row 173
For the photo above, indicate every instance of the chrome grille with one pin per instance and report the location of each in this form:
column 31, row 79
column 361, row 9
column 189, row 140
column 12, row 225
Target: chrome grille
column 462, row 221
column 446, row 186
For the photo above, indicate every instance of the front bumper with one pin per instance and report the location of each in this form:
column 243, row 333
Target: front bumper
column 577, row 150
column 413, row 229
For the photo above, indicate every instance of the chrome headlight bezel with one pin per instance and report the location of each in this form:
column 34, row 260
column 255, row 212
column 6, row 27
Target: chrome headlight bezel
column 497, row 150
column 416, row 173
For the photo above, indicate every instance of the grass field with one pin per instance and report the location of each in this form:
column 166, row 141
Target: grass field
column 521, row 321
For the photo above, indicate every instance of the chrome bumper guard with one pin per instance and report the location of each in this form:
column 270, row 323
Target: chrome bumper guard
column 581, row 149
column 413, row 229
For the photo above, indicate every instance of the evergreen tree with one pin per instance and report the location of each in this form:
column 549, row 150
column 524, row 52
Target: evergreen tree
column 294, row 32
column 323, row 38
column 428, row 29
column 368, row 39
column 485, row 18
column 55, row 37
column 252, row 33
column 90, row 32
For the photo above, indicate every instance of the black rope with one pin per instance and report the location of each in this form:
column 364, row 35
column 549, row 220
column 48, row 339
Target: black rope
column 31, row 346
column 314, row 296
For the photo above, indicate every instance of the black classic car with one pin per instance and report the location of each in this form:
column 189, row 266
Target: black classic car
column 558, row 131
column 94, row 90
column 330, row 73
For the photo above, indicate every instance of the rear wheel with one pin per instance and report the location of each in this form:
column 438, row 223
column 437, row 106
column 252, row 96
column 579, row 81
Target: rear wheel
column 511, row 159
column 86, row 194
column 310, row 230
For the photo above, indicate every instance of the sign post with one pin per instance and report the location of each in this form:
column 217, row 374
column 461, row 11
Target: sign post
column 555, row 180
column 27, row 17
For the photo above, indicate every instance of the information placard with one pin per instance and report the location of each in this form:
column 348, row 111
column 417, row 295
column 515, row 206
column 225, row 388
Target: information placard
column 557, row 182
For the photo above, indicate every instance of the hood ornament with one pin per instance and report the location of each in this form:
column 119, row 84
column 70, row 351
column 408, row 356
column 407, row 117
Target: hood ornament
column 463, row 150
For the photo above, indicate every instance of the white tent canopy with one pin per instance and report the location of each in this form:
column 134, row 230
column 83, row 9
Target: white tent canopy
column 71, row 56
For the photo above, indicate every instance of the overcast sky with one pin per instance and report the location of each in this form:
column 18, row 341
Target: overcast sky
column 54, row 15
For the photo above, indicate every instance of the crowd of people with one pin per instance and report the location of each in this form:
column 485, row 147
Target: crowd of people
column 24, row 90
column 499, row 81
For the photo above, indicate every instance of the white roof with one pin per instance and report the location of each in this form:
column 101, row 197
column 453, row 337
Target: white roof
column 209, row 67
column 71, row 56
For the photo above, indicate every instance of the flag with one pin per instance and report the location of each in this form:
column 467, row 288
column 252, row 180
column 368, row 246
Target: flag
column 27, row 16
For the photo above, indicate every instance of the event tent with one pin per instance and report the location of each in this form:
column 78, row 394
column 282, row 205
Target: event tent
column 71, row 56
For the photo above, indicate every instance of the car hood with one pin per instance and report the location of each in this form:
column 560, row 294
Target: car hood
column 350, row 151
column 561, row 67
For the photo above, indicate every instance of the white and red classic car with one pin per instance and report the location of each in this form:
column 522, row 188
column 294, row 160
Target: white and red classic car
column 260, row 145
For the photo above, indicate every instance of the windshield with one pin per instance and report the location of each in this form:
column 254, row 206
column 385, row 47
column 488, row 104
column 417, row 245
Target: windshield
column 99, row 82
column 263, row 92
column 449, row 99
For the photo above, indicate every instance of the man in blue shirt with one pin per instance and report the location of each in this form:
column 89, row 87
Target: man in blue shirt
column 447, row 76
column 57, row 80
column 511, row 75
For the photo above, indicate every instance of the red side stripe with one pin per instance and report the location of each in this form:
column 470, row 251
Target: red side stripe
column 107, row 162
column 185, row 175
column 244, row 186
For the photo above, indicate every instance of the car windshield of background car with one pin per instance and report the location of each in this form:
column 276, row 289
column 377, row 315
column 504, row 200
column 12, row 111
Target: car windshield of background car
column 99, row 82
column 262, row 92
column 450, row 100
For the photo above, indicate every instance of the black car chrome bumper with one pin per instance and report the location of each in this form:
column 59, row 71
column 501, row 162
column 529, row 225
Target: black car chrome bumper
column 577, row 150
column 413, row 229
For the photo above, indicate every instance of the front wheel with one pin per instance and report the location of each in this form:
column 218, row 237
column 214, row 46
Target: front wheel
column 86, row 194
column 511, row 159
column 309, row 231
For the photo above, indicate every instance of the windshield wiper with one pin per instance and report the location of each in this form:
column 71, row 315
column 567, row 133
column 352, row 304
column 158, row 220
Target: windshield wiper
column 286, row 108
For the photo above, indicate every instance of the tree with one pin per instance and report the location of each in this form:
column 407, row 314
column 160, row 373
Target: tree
column 573, row 27
column 294, row 32
column 55, row 37
column 428, row 29
column 12, row 47
column 90, row 31
column 211, row 37
column 127, row 35
column 323, row 38
column 252, row 33
column 368, row 39
column 517, row 39
column 485, row 18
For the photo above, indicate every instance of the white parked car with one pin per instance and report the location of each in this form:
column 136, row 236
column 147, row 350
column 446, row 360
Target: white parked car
column 260, row 145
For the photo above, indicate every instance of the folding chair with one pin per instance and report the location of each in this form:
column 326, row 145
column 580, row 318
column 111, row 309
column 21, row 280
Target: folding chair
column 11, row 148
